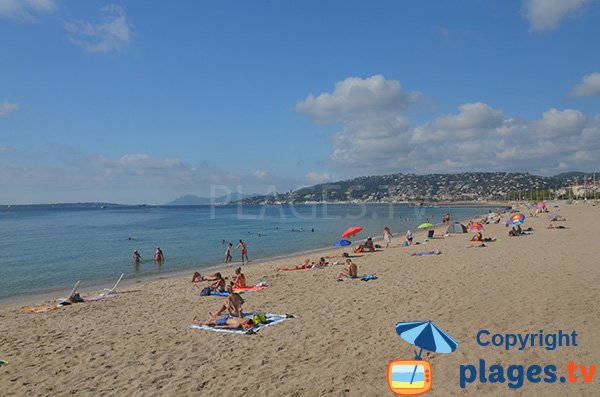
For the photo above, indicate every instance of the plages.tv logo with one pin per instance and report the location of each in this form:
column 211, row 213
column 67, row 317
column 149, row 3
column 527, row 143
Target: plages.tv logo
column 414, row 377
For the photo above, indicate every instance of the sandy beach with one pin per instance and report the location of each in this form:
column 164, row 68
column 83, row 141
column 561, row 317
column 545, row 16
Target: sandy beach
column 343, row 335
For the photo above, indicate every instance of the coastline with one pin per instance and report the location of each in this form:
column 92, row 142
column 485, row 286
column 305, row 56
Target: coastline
column 141, row 343
column 51, row 295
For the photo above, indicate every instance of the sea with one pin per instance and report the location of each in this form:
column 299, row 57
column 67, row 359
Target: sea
column 49, row 247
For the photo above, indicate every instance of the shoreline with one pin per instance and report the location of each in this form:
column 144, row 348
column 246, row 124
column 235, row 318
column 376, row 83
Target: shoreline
column 52, row 295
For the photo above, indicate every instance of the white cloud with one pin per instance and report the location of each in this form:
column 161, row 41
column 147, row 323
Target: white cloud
column 589, row 86
column 7, row 108
column 26, row 9
column 113, row 34
column 356, row 95
column 472, row 120
column 476, row 137
column 316, row 177
column 547, row 14
column 260, row 173
column 5, row 149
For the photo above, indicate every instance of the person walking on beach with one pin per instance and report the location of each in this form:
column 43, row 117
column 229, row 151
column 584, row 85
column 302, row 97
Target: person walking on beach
column 242, row 245
column 136, row 257
column 228, row 257
column 387, row 236
column 158, row 255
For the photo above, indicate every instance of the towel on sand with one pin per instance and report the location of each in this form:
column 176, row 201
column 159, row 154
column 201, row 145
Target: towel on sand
column 428, row 253
column 272, row 319
column 39, row 309
column 367, row 277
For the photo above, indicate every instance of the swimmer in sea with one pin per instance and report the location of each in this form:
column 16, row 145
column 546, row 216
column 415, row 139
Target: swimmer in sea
column 136, row 257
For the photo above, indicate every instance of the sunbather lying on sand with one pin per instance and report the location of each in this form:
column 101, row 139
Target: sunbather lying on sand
column 351, row 272
column 320, row 264
column 305, row 265
column 552, row 226
column 479, row 238
column 227, row 322
column 343, row 255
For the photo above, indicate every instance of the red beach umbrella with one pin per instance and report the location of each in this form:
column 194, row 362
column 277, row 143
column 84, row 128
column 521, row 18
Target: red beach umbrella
column 352, row 231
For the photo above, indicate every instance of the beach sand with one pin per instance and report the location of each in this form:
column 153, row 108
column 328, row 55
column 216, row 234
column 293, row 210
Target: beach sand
column 141, row 344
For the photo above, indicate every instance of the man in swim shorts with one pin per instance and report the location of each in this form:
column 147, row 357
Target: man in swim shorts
column 351, row 272
column 227, row 322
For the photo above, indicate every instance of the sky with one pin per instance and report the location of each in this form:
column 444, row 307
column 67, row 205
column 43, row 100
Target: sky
column 145, row 101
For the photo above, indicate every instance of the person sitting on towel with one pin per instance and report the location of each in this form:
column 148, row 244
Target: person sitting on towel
column 369, row 246
column 233, row 304
column 218, row 282
column 227, row 322
column 239, row 280
column 477, row 237
column 351, row 272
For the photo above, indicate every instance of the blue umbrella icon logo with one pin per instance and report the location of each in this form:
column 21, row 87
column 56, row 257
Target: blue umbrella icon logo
column 413, row 377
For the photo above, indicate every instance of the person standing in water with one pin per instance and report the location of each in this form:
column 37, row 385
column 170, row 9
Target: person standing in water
column 158, row 255
column 387, row 236
column 228, row 257
column 136, row 257
column 242, row 245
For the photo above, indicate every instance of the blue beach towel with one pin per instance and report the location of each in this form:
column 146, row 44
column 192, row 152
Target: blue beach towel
column 272, row 319
column 368, row 277
column 428, row 253
column 218, row 293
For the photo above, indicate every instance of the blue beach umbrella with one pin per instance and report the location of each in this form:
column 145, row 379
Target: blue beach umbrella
column 342, row 243
column 425, row 335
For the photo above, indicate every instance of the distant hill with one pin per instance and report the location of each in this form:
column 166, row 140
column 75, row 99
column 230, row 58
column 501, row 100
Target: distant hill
column 466, row 186
column 570, row 176
column 190, row 199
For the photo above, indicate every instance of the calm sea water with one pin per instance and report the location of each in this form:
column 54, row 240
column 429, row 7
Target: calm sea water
column 47, row 248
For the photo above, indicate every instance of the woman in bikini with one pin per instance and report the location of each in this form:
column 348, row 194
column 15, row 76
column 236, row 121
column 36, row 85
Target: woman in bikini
column 239, row 280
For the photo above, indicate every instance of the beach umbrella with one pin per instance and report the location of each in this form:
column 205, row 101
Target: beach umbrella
column 425, row 335
column 342, row 243
column 476, row 227
column 540, row 205
column 556, row 206
column 517, row 219
column 352, row 231
column 425, row 226
column 553, row 217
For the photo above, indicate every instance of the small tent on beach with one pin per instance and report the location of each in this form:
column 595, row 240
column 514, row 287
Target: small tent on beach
column 457, row 227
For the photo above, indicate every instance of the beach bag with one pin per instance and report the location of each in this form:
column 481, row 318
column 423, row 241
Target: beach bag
column 205, row 291
column 259, row 318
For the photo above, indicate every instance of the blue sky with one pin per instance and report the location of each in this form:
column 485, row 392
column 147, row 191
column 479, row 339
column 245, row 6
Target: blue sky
column 142, row 101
